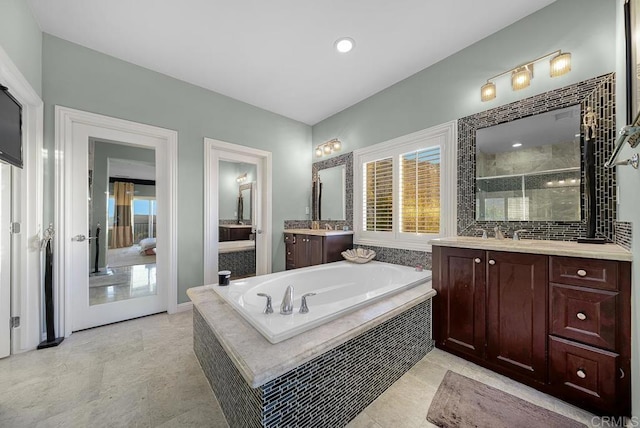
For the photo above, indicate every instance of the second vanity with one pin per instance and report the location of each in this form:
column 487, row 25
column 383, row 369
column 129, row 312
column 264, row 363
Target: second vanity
column 553, row 315
column 310, row 247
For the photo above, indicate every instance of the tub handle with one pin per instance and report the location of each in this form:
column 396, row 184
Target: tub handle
column 303, row 306
column 268, row 309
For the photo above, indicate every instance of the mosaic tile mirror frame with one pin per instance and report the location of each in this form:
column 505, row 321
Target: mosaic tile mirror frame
column 597, row 93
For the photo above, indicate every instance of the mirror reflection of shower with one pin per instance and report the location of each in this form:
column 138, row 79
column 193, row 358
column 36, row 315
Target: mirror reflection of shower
column 237, row 218
column 122, row 221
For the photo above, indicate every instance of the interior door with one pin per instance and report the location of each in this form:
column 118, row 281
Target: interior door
column 102, row 294
column 5, row 259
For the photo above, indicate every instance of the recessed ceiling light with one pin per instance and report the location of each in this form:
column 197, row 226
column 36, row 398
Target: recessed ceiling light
column 344, row 44
column 516, row 145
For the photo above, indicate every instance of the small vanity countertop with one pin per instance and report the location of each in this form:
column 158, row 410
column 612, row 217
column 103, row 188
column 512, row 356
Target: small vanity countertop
column 551, row 248
column 319, row 232
column 260, row 361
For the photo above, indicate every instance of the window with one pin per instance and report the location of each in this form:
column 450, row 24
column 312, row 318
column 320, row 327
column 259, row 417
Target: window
column 407, row 189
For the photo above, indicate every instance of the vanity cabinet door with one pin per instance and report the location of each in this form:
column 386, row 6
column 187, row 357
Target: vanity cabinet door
column 516, row 313
column 301, row 255
column 315, row 247
column 460, row 302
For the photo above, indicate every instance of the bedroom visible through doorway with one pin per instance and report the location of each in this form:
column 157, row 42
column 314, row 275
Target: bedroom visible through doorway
column 126, row 268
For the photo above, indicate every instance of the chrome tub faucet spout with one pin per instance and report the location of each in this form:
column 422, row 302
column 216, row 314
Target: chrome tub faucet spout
column 286, row 307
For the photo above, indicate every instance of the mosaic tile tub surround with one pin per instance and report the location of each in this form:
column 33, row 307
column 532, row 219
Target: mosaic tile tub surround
column 329, row 390
column 240, row 263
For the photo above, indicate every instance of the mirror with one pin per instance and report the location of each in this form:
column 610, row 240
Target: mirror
column 122, row 222
column 529, row 169
column 246, row 214
column 332, row 193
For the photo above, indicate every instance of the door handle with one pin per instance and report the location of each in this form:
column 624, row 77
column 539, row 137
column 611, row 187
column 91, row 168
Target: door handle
column 79, row 238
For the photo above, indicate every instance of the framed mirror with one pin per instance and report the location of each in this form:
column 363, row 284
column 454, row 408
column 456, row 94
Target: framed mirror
column 529, row 169
column 632, row 22
column 332, row 190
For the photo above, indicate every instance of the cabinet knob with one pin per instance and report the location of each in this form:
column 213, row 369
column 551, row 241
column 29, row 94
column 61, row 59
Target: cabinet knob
column 582, row 272
column 581, row 373
column 581, row 316
column 492, row 262
column 477, row 260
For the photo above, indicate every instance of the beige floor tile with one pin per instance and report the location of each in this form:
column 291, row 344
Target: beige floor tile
column 363, row 420
column 203, row 416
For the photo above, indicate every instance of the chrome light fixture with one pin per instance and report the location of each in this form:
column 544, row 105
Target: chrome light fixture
column 488, row 91
column 522, row 74
column 521, row 77
column 329, row 147
column 560, row 64
column 242, row 178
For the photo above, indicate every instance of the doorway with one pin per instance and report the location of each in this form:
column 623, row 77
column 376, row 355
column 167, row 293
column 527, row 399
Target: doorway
column 86, row 180
column 237, row 214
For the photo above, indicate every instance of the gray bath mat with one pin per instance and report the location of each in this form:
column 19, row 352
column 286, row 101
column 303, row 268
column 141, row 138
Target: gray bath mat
column 463, row 402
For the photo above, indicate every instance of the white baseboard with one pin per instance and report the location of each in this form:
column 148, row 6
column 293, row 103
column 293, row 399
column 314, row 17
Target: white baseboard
column 183, row 307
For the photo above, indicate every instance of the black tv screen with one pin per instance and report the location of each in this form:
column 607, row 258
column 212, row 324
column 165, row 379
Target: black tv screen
column 10, row 129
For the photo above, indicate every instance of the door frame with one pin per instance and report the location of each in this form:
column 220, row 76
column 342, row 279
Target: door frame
column 27, row 197
column 66, row 119
column 215, row 150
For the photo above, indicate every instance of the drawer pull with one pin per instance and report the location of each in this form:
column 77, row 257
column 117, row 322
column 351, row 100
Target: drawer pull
column 477, row 260
column 492, row 262
column 581, row 316
column 581, row 373
column 582, row 273
column 621, row 374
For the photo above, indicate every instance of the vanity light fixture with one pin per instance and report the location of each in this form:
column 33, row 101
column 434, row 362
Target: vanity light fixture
column 522, row 74
column 516, row 145
column 329, row 147
column 242, row 178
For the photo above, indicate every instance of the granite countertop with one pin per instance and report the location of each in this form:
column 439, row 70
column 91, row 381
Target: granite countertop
column 319, row 232
column 552, row 248
column 260, row 361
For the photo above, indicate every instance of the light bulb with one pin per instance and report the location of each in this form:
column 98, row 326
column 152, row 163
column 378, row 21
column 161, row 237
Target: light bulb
column 318, row 152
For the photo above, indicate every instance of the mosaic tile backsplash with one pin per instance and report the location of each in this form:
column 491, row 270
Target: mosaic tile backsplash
column 327, row 391
column 597, row 93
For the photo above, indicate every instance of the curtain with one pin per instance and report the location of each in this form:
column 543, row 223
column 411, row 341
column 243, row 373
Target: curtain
column 122, row 227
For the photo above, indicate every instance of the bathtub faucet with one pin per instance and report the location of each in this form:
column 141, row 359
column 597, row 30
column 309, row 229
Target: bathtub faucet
column 286, row 308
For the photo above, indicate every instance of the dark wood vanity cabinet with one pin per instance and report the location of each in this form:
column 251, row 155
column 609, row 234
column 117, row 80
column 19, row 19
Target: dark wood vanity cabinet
column 559, row 324
column 304, row 250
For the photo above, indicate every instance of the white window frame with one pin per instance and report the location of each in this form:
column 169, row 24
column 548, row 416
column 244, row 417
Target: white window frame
column 444, row 136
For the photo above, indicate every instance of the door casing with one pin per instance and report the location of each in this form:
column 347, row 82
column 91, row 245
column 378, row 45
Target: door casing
column 68, row 122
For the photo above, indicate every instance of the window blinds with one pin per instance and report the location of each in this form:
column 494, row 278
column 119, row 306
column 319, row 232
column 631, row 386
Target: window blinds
column 378, row 195
column 420, row 191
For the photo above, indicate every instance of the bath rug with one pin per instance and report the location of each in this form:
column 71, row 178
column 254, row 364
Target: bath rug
column 463, row 402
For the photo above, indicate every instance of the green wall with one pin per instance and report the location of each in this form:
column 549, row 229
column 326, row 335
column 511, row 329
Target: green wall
column 21, row 39
column 80, row 78
column 450, row 89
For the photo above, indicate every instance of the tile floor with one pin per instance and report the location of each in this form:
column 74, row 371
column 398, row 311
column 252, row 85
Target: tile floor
column 123, row 283
column 144, row 373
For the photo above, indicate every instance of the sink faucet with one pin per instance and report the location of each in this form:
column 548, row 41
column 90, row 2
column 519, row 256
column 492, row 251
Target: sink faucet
column 499, row 234
column 516, row 236
column 286, row 307
column 327, row 226
column 484, row 233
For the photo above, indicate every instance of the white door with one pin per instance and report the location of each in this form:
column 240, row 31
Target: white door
column 5, row 259
column 136, row 287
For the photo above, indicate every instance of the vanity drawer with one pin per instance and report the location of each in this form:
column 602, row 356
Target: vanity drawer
column 583, row 314
column 602, row 274
column 583, row 374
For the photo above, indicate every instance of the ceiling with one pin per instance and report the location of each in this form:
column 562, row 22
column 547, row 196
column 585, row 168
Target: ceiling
column 553, row 127
column 279, row 55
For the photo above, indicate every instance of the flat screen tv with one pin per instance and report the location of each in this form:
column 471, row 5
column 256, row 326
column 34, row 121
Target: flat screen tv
column 10, row 128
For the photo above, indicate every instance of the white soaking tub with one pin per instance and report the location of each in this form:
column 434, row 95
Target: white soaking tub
column 340, row 288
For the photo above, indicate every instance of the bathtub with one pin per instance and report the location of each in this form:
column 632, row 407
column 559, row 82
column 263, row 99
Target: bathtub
column 340, row 288
column 236, row 246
